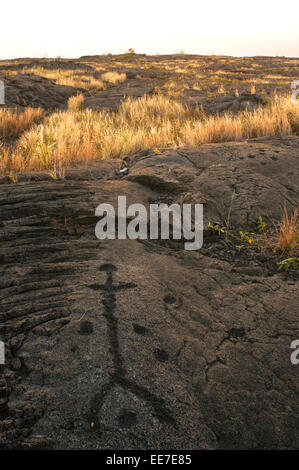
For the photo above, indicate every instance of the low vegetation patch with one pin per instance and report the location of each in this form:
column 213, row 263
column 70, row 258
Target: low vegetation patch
column 13, row 123
column 114, row 77
column 78, row 135
column 75, row 103
column 288, row 233
column 281, row 239
column 76, row 79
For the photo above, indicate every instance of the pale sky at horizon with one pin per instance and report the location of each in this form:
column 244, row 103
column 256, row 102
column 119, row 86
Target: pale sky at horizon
column 74, row 28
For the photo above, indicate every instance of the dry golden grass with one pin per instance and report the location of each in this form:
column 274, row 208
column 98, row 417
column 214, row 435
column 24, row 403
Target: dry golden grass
column 75, row 103
column 279, row 118
column 77, row 136
column 158, row 109
column 114, row 77
column 288, row 233
column 76, row 79
column 13, row 123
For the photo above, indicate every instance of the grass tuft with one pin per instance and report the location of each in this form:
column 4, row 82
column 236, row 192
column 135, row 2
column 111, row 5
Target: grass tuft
column 13, row 123
column 75, row 103
column 78, row 135
column 114, row 77
column 288, row 232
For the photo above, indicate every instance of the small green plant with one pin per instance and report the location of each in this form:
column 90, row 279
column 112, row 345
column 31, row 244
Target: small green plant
column 262, row 226
column 217, row 228
column 241, row 237
column 289, row 263
column 246, row 236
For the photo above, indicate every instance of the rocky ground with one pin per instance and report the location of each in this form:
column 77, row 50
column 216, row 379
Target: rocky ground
column 216, row 83
column 123, row 344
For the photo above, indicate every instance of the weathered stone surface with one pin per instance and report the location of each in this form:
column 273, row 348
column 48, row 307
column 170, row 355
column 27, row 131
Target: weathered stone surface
column 243, row 194
column 112, row 98
column 31, row 90
column 276, row 158
column 166, row 172
column 139, row 344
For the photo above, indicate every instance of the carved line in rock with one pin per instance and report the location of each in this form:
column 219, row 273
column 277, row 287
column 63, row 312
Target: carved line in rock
column 118, row 376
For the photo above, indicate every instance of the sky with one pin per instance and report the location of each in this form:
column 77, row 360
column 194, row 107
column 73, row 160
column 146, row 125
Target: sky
column 71, row 28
